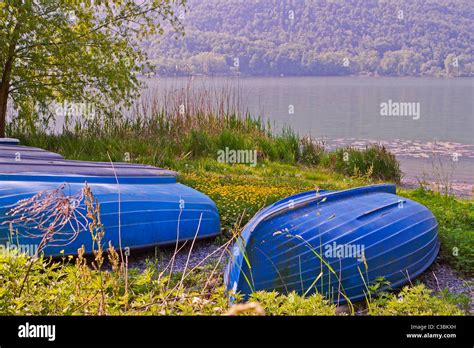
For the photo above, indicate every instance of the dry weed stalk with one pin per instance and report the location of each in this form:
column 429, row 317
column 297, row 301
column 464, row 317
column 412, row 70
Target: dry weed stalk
column 51, row 215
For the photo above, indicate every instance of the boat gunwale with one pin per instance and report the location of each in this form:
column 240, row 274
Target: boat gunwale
column 167, row 177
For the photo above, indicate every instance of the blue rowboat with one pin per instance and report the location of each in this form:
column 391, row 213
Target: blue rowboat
column 140, row 205
column 334, row 242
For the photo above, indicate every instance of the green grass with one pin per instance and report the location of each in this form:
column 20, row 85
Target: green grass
column 75, row 287
column 455, row 226
column 188, row 144
column 374, row 161
column 71, row 288
column 417, row 300
column 269, row 182
column 165, row 140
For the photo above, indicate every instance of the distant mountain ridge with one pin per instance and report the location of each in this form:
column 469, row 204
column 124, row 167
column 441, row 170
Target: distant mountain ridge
column 325, row 37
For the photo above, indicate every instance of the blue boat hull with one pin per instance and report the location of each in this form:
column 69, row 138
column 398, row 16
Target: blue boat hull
column 334, row 242
column 142, row 206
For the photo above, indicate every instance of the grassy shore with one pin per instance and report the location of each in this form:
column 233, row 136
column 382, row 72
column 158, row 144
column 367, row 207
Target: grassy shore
column 188, row 143
column 244, row 190
column 84, row 286
column 241, row 190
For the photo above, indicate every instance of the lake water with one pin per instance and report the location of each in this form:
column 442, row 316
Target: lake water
column 436, row 142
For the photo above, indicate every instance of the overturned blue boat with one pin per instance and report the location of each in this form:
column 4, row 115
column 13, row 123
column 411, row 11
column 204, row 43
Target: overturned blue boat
column 140, row 205
column 337, row 243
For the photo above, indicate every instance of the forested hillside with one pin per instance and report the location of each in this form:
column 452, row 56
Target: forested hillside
column 320, row 37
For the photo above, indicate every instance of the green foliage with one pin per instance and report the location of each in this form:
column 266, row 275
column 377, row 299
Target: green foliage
column 456, row 226
column 375, row 286
column 74, row 288
column 293, row 304
column 285, row 37
column 65, row 51
column 463, row 301
column 199, row 144
column 374, row 162
column 233, row 139
column 239, row 193
column 417, row 300
column 287, row 146
column 311, row 153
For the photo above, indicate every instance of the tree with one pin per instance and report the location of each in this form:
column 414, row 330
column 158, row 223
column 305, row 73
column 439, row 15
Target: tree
column 390, row 63
column 370, row 34
column 209, row 63
column 82, row 51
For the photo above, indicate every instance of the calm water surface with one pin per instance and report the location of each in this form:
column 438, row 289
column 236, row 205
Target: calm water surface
column 347, row 111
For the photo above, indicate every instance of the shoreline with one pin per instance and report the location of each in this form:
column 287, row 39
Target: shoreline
column 429, row 162
column 460, row 190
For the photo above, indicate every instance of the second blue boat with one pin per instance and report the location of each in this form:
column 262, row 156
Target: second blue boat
column 337, row 243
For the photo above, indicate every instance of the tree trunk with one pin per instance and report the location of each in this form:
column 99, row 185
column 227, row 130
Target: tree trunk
column 6, row 79
column 4, row 87
column 4, row 90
